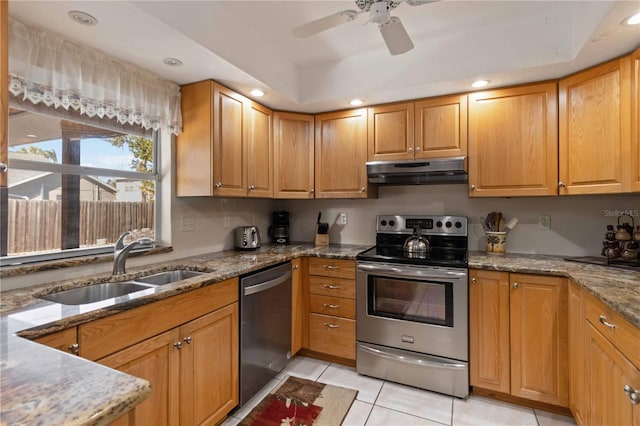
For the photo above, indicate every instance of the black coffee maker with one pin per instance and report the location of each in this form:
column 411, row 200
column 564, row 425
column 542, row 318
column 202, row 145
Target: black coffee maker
column 279, row 229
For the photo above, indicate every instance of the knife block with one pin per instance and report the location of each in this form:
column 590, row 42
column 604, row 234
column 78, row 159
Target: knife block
column 321, row 239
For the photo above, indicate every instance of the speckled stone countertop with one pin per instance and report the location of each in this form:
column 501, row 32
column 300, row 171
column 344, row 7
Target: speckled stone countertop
column 43, row 385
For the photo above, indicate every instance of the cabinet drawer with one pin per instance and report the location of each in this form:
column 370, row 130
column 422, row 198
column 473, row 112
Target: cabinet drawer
column 332, row 335
column 334, row 287
column 336, row 306
column 619, row 332
column 337, row 268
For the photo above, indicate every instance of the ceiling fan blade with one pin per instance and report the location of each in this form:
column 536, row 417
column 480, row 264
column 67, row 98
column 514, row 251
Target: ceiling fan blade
column 419, row 2
column 322, row 24
column 395, row 36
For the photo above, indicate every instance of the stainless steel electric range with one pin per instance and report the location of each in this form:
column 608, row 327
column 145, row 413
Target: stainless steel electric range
column 412, row 310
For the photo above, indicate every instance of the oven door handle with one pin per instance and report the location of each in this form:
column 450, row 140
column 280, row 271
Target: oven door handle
column 405, row 358
column 409, row 272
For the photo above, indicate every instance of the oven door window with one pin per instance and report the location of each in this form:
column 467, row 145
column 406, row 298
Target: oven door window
column 429, row 302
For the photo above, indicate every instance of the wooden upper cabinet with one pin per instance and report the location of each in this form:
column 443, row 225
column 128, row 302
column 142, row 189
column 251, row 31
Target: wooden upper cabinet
column 293, row 148
column 341, row 154
column 441, row 127
column 635, row 121
column 390, row 135
column 225, row 148
column 513, row 141
column 595, row 142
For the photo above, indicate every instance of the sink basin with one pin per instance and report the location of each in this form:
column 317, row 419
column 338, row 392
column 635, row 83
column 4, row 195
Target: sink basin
column 168, row 277
column 94, row 293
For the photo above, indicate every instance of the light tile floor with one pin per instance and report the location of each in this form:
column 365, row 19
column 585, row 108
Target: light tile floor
column 384, row 403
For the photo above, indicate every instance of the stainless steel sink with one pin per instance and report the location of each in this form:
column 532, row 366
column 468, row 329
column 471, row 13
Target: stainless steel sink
column 168, row 277
column 95, row 293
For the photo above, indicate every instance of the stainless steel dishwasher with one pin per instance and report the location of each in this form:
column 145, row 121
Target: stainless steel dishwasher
column 265, row 329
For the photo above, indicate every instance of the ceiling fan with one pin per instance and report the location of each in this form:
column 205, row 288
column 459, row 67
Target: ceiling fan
column 392, row 30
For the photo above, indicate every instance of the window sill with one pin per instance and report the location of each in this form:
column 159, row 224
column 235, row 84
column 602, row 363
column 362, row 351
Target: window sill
column 27, row 268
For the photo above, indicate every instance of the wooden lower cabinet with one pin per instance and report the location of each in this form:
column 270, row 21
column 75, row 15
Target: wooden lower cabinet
column 578, row 402
column 64, row 340
column 518, row 335
column 299, row 306
column 332, row 335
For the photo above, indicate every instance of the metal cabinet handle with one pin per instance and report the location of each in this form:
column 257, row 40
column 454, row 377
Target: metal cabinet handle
column 418, row 149
column 331, row 287
column 3, row 167
column 473, row 187
column 363, row 189
column 330, row 325
column 327, row 305
column 218, row 184
column 296, row 267
column 635, row 398
column 561, row 184
column 628, row 390
column 330, row 267
column 473, row 280
column 188, row 340
column 312, row 190
column 603, row 321
column 410, row 149
column 74, row 348
column 178, row 345
column 252, row 187
column 516, row 285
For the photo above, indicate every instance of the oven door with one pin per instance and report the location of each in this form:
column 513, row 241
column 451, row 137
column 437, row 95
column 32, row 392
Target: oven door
column 416, row 308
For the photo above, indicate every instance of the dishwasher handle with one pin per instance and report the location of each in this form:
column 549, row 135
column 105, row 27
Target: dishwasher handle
column 257, row 288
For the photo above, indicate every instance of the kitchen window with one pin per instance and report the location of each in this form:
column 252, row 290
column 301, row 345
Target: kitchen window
column 74, row 187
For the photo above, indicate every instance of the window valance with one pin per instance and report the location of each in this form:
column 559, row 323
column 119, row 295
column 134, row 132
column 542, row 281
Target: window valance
column 45, row 68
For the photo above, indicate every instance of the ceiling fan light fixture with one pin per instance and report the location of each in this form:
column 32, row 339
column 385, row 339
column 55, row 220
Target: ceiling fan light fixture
column 633, row 19
column 356, row 102
column 257, row 92
column 480, row 83
column 379, row 13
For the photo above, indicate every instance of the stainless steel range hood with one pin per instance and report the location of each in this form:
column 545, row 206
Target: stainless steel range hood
column 418, row 172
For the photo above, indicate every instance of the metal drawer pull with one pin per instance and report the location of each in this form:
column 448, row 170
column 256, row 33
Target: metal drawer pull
column 603, row 321
column 331, row 287
column 628, row 390
column 188, row 340
column 330, row 325
column 326, row 305
column 635, row 399
column 74, row 348
column 178, row 345
column 330, row 267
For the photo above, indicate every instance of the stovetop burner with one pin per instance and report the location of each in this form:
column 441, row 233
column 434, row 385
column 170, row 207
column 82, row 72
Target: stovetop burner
column 447, row 237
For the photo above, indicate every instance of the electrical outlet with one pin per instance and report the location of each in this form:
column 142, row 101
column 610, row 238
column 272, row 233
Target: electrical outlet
column 227, row 222
column 342, row 219
column 187, row 223
column 544, row 221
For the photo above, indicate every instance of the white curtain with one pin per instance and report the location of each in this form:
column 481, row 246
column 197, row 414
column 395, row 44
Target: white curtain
column 45, row 68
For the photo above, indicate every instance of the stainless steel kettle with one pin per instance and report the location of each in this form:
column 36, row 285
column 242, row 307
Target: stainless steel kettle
column 417, row 245
column 247, row 237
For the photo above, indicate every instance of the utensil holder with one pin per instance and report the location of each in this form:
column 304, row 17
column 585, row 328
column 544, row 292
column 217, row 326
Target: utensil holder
column 322, row 239
column 496, row 242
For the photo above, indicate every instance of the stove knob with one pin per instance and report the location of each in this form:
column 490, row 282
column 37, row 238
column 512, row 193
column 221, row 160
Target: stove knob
column 383, row 222
column 392, row 223
column 439, row 224
column 458, row 225
column 448, row 224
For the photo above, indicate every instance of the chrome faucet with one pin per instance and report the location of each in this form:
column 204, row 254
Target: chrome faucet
column 121, row 251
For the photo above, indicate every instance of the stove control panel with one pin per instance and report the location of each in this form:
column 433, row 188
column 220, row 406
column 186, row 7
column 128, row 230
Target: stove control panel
column 429, row 225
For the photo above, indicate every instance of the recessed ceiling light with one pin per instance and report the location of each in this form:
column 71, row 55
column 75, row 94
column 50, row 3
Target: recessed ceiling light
column 30, row 135
column 82, row 17
column 257, row 92
column 172, row 62
column 633, row 19
column 356, row 102
column 479, row 83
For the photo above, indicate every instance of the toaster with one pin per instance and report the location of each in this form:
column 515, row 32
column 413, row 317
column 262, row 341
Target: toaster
column 247, row 237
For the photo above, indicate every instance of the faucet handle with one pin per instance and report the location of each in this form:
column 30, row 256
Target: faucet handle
column 120, row 243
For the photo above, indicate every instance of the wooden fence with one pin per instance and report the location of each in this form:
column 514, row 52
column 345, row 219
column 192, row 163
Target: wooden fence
column 35, row 225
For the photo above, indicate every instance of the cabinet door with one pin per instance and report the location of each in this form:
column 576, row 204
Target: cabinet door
column 390, row 135
column 635, row 121
column 293, row 148
column 209, row 367
column 595, row 130
column 513, row 141
column 299, row 306
column 156, row 360
column 489, row 361
column 259, row 161
column 341, row 154
column 64, row 340
column 441, row 127
column 608, row 373
column 539, row 355
column 578, row 401
column 332, row 336
column 228, row 142
column 194, row 148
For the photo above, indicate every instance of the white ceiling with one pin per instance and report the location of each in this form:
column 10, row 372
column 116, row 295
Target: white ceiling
column 247, row 44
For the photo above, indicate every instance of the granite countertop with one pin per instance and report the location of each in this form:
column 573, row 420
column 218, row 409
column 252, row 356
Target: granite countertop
column 67, row 388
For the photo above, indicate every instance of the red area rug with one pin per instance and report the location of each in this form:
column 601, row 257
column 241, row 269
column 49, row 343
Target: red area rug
column 298, row 402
